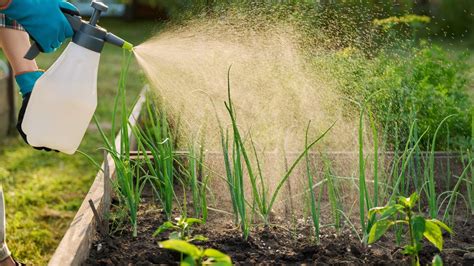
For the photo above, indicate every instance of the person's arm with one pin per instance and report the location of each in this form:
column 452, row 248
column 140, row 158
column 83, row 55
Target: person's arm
column 15, row 44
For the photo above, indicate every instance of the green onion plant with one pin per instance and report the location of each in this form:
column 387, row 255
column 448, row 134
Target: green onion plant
column 333, row 195
column 469, row 180
column 198, row 181
column 234, row 164
column 430, row 181
column 157, row 139
column 315, row 206
column 128, row 183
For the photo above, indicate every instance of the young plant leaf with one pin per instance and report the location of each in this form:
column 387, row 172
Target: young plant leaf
column 418, row 225
column 164, row 227
column 442, row 225
column 409, row 250
column 378, row 229
column 385, row 212
column 175, row 235
column 191, row 221
column 437, row 261
column 413, row 199
column 433, row 234
column 376, row 210
column 199, row 238
column 220, row 263
column 405, row 202
column 410, row 201
column 188, row 261
column 181, row 246
column 217, row 256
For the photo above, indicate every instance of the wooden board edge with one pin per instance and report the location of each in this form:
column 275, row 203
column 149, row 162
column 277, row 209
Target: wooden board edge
column 75, row 245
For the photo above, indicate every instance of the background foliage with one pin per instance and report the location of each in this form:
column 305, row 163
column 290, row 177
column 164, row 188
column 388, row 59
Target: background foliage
column 369, row 46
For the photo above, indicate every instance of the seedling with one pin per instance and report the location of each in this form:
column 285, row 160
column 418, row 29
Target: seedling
column 181, row 229
column 418, row 226
column 195, row 255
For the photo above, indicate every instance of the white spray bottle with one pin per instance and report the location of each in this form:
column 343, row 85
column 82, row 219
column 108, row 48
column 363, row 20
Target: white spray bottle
column 64, row 99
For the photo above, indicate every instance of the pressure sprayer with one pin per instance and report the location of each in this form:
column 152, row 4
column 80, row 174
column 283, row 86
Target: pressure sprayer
column 64, row 98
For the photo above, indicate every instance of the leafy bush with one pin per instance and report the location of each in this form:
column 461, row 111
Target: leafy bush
column 437, row 86
column 415, row 83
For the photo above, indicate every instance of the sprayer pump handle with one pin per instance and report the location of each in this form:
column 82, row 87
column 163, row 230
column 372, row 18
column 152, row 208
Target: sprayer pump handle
column 33, row 52
column 98, row 7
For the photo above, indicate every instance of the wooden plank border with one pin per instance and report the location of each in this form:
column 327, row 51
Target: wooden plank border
column 75, row 246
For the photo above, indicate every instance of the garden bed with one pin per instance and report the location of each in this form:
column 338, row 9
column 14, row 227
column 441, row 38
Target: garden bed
column 287, row 240
column 281, row 243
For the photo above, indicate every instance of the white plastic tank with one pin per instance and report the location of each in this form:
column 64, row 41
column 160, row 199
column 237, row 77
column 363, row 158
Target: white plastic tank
column 63, row 101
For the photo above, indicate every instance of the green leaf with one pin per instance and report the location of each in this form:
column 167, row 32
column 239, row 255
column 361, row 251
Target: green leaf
column 409, row 250
column 437, row 261
column 385, row 211
column 181, row 246
column 391, row 211
column 405, row 202
column 188, row 261
column 164, row 227
column 442, row 225
column 218, row 263
column 413, row 199
column 378, row 229
column 418, row 226
column 433, row 234
column 199, row 238
column 175, row 235
column 376, row 210
column 192, row 221
column 217, row 256
column 410, row 201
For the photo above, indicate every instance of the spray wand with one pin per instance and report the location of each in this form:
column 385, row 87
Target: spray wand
column 88, row 34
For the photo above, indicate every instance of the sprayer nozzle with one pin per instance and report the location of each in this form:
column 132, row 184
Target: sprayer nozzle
column 127, row 46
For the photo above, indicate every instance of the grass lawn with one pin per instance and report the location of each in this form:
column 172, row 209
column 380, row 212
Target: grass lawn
column 44, row 190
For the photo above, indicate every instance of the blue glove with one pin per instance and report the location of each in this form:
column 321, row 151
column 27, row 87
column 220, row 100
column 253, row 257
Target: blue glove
column 43, row 20
column 26, row 81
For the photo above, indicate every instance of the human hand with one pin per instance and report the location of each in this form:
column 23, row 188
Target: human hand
column 44, row 20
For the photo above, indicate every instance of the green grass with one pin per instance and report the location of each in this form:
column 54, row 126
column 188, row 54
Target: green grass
column 44, row 190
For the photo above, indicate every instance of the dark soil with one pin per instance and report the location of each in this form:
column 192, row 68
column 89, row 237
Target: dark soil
column 273, row 245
